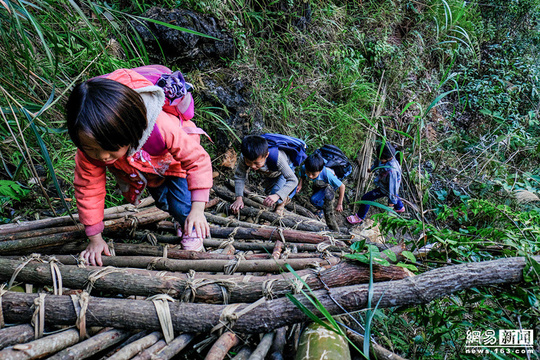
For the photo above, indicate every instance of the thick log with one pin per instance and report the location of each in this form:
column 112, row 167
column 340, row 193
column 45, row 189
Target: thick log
column 132, row 349
column 63, row 229
column 174, row 347
column 111, row 227
column 227, row 221
column 209, row 288
column 42, row 347
column 292, row 206
column 276, row 352
column 221, row 347
column 273, row 233
column 160, row 263
column 291, row 221
column 257, row 245
column 122, row 249
column 92, row 346
column 17, row 334
column 263, row 347
column 51, row 222
column 272, row 314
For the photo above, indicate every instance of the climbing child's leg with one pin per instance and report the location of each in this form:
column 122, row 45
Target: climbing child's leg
column 364, row 208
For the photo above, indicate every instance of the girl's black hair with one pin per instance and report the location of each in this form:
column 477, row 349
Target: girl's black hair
column 254, row 147
column 314, row 162
column 108, row 111
column 385, row 151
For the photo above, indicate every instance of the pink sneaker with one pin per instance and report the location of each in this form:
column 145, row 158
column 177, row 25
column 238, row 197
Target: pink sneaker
column 402, row 210
column 354, row 219
column 192, row 242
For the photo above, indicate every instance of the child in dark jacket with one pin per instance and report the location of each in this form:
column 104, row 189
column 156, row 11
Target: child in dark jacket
column 325, row 182
column 112, row 120
column 280, row 185
column 387, row 178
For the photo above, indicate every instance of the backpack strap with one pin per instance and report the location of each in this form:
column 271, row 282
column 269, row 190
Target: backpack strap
column 272, row 159
column 155, row 145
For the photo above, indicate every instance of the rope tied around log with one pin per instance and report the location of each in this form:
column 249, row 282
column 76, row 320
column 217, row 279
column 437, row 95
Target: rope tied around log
column 80, row 304
column 98, row 274
column 21, row 266
column 231, row 236
column 150, row 237
column 161, row 303
column 152, row 264
column 225, row 243
column 267, row 291
column 56, row 276
column 2, row 292
column 232, row 265
column 285, row 254
column 193, row 284
column 134, row 222
column 259, row 213
column 228, row 316
column 38, row 318
column 298, row 284
column 110, row 244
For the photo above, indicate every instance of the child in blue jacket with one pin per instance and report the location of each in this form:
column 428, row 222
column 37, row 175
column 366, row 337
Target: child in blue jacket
column 325, row 182
column 387, row 178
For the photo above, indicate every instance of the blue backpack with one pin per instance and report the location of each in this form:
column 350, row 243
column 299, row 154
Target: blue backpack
column 293, row 147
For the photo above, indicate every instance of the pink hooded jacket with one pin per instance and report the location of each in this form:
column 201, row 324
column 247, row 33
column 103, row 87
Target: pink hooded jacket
column 184, row 157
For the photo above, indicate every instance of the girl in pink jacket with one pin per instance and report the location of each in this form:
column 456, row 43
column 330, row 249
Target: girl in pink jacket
column 117, row 123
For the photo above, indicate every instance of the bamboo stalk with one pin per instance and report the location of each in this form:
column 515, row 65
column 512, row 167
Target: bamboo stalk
column 91, row 346
column 221, row 347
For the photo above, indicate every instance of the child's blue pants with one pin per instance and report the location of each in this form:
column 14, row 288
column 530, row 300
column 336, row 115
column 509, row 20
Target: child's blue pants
column 174, row 197
column 375, row 194
column 320, row 196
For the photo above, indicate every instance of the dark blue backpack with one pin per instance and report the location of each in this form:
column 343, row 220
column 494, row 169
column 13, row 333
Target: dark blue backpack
column 293, row 147
column 336, row 160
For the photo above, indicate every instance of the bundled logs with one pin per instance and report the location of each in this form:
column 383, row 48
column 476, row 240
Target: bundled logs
column 153, row 300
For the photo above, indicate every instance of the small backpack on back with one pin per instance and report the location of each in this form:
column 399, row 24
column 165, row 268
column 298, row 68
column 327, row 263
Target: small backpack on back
column 293, row 147
column 336, row 160
column 178, row 102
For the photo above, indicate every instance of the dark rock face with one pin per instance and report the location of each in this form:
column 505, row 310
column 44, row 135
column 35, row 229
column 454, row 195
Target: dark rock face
column 186, row 51
column 233, row 94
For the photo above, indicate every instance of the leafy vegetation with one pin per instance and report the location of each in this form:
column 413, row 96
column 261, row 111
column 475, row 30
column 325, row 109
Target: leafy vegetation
column 454, row 84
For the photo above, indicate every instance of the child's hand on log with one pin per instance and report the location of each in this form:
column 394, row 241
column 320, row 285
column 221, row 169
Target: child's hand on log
column 197, row 221
column 95, row 248
column 271, row 200
column 237, row 205
column 339, row 208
